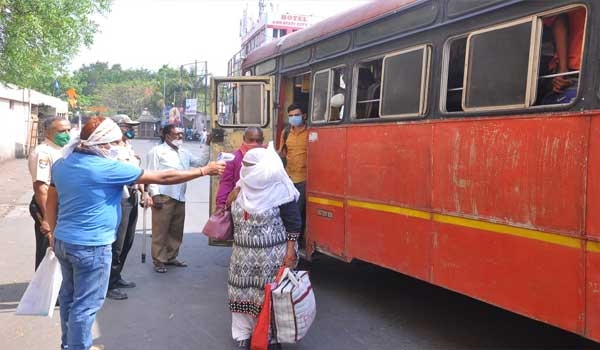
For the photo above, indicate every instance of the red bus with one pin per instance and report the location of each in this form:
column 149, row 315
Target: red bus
column 454, row 158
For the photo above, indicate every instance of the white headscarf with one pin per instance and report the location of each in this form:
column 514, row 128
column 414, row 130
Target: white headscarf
column 265, row 184
column 108, row 131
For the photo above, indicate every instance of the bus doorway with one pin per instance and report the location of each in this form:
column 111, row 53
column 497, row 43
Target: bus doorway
column 237, row 103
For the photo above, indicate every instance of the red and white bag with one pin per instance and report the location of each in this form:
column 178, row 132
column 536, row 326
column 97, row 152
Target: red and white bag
column 294, row 306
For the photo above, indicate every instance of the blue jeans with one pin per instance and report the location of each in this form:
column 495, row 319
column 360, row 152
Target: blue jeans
column 85, row 272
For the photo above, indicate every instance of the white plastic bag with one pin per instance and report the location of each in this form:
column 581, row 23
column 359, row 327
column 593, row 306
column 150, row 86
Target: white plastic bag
column 294, row 306
column 41, row 294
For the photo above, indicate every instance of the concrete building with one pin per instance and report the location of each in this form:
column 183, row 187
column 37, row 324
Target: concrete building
column 19, row 110
column 271, row 23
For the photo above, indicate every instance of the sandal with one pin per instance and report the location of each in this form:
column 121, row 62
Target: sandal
column 176, row 262
column 160, row 268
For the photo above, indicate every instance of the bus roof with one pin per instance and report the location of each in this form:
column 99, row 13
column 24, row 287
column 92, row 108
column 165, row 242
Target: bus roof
column 327, row 27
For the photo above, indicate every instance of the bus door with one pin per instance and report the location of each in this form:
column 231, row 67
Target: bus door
column 237, row 103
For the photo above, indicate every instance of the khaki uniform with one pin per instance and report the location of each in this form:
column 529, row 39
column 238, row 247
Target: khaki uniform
column 42, row 159
column 40, row 168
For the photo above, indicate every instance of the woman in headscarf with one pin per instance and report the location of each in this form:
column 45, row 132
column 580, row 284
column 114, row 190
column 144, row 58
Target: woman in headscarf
column 253, row 137
column 87, row 184
column 266, row 227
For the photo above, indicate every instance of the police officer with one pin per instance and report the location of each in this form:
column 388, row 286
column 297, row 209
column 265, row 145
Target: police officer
column 40, row 164
column 129, row 215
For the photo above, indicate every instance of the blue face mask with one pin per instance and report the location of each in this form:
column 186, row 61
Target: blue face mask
column 130, row 134
column 295, row 120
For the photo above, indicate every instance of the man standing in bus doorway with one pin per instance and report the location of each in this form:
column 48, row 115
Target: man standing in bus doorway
column 40, row 164
column 129, row 214
column 292, row 148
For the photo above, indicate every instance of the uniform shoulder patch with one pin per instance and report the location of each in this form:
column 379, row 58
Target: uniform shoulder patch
column 43, row 162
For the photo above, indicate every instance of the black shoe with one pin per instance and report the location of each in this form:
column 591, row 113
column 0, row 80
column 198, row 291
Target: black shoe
column 116, row 294
column 242, row 344
column 275, row 346
column 121, row 283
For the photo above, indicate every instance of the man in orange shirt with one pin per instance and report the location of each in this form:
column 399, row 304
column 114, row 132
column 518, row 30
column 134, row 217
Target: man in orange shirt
column 567, row 29
column 292, row 147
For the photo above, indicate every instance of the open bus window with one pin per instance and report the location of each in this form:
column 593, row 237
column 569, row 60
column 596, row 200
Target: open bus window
column 337, row 95
column 319, row 96
column 405, row 81
column 241, row 103
column 456, row 71
column 328, row 95
column 560, row 56
column 367, row 89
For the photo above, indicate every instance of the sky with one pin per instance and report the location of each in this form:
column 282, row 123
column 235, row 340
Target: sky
column 151, row 33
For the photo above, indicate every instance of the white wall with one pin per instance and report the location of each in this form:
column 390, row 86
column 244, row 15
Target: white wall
column 13, row 129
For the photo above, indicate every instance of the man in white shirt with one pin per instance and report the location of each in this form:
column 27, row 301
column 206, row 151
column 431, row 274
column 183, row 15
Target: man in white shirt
column 40, row 164
column 168, row 201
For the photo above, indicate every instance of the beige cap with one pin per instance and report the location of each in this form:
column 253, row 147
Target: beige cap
column 124, row 119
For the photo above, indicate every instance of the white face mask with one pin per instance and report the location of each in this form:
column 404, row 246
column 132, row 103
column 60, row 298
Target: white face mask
column 115, row 152
column 177, row 143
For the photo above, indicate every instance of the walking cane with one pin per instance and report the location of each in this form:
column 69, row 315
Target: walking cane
column 144, row 233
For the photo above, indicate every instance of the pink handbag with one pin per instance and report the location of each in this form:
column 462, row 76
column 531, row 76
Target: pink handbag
column 219, row 225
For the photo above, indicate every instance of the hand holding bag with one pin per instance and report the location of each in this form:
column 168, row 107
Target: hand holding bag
column 41, row 294
column 219, row 225
column 294, row 306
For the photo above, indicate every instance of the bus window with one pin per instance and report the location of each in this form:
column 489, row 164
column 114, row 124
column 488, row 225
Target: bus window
column 337, row 94
column 405, row 80
column 319, row 96
column 329, row 95
column 498, row 67
column 560, row 56
column 237, row 103
column 367, row 89
column 456, row 71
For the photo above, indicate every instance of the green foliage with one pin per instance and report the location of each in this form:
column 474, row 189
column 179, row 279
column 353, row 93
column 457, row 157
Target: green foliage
column 39, row 37
column 129, row 91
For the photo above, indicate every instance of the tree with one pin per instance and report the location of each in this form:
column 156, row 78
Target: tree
column 129, row 97
column 39, row 37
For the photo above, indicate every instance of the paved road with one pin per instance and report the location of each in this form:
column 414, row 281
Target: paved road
column 360, row 306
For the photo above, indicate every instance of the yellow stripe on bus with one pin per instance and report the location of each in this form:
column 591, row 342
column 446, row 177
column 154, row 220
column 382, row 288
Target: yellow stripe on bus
column 552, row 238
column 593, row 247
column 391, row 209
column 565, row 241
column 325, row 201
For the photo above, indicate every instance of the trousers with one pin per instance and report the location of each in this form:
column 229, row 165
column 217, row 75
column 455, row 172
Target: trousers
column 125, row 236
column 41, row 241
column 168, row 218
column 301, row 187
column 85, row 271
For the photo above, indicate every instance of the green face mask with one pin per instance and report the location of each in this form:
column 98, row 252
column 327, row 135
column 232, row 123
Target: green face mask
column 61, row 138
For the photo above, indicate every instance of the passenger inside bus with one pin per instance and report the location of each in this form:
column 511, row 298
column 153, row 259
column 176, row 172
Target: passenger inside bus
column 367, row 90
column 560, row 78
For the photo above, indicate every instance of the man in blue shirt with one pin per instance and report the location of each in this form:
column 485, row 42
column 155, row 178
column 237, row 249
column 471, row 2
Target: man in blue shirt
column 86, row 190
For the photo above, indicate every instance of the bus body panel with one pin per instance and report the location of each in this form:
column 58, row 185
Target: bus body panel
column 390, row 163
column 541, row 280
column 527, row 172
column 592, row 227
column 394, row 240
column 325, row 214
